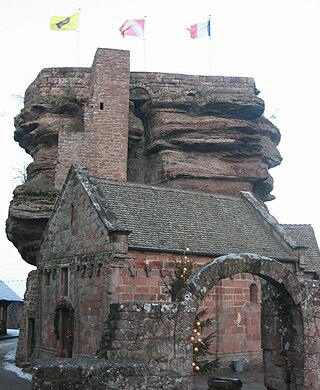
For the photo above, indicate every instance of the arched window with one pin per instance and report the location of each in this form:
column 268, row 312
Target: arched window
column 254, row 293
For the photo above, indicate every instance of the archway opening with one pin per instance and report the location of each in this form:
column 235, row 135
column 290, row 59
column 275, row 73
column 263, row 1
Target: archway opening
column 281, row 318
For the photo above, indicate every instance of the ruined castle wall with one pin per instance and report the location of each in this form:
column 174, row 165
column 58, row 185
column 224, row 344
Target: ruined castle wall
column 59, row 81
column 100, row 139
column 103, row 145
column 172, row 82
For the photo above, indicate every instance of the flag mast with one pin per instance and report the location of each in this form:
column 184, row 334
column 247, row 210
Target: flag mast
column 144, row 45
column 78, row 40
column 210, row 53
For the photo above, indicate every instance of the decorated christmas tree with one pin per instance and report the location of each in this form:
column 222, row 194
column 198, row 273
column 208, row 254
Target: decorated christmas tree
column 200, row 339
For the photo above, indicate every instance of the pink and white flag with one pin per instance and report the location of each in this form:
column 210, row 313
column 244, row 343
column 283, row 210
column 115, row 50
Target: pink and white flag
column 134, row 27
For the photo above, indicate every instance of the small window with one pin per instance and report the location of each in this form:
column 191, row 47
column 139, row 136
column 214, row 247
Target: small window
column 64, row 281
column 101, row 106
column 254, row 293
column 47, row 279
column 72, row 219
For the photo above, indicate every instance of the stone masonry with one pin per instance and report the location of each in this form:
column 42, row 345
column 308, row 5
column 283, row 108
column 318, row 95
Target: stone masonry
column 290, row 350
column 173, row 160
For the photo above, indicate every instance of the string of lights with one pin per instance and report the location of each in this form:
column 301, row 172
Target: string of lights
column 13, row 281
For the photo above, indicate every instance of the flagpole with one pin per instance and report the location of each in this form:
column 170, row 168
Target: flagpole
column 210, row 54
column 144, row 46
column 78, row 40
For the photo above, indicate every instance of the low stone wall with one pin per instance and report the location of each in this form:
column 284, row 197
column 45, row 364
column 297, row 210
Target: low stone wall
column 142, row 350
column 100, row 374
column 147, row 332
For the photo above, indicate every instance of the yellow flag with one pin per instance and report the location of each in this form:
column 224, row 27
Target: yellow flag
column 63, row 23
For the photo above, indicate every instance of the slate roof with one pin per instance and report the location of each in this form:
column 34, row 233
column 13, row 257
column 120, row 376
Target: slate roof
column 304, row 235
column 6, row 294
column 165, row 219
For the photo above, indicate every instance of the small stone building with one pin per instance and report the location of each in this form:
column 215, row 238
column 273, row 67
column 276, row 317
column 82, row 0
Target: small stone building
column 9, row 298
column 109, row 242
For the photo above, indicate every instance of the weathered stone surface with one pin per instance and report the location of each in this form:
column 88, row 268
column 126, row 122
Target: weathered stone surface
column 28, row 216
column 141, row 330
column 93, row 374
column 205, row 133
column 37, row 131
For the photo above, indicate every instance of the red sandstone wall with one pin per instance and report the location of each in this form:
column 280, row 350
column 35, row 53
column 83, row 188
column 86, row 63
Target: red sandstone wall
column 93, row 286
column 238, row 318
column 58, row 81
column 237, row 314
column 173, row 82
column 26, row 336
column 78, row 243
column 103, row 145
column 75, row 230
column 87, row 294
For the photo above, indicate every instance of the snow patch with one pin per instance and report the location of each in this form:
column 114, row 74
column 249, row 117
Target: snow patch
column 9, row 364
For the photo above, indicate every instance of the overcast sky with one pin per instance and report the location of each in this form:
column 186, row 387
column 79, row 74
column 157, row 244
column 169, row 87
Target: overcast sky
column 274, row 41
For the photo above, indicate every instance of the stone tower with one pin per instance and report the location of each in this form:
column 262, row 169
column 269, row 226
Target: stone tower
column 102, row 143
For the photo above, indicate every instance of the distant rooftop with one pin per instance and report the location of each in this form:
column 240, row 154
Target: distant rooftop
column 6, row 294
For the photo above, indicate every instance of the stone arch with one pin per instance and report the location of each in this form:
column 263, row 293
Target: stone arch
column 282, row 320
column 223, row 267
column 139, row 96
column 139, row 93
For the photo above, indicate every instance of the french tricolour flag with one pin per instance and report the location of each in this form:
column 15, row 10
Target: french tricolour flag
column 200, row 30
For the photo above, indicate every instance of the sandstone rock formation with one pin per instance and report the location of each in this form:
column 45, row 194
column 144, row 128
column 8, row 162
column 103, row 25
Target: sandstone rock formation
column 37, row 131
column 191, row 132
column 206, row 141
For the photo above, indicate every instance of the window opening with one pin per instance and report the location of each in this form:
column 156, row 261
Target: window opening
column 64, row 281
column 253, row 293
column 47, row 279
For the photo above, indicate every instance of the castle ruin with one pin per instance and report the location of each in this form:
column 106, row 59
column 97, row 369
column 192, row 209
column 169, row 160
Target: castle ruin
column 127, row 166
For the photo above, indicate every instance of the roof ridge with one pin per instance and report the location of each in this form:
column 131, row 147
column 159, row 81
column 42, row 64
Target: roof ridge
column 296, row 224
column 272, row 221
column 165, row 189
